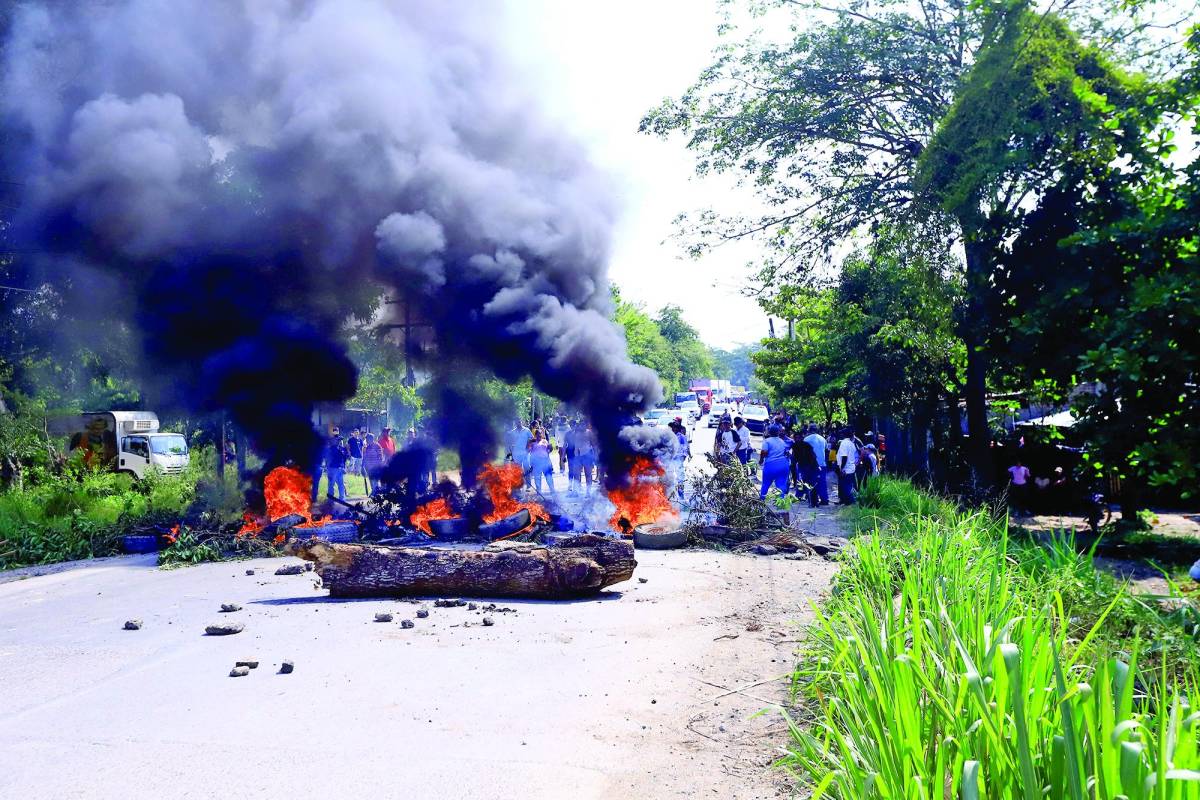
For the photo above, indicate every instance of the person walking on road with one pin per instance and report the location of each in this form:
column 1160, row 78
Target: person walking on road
column 745, row 448
column 847, row 460
column 820, row 448
column 776, row 462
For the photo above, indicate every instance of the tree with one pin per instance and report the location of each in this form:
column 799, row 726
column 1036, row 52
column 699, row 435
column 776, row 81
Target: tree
column 647, row 346
column 736, row 365
column 693, row 356
column 853, row 125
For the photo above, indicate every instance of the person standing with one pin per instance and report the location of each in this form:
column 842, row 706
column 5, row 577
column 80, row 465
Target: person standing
column 517, row 441
column 683, row 452
column 586, row 454
column 318, row 468
column 725, row 443
column 744, row 447
column 539, row 462
column 335, row 468
column 1018, row 476
column 847, row 461
column 372, row 461
column 804, row 460
column 560, row 442
column 775, row 461
column 387, row 444
column 354, row 450
column 820, row 448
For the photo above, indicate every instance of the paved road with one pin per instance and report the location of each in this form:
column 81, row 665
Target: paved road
column 616, row 697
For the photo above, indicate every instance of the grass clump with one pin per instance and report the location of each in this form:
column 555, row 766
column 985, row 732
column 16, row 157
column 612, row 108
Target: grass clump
column 950, row 662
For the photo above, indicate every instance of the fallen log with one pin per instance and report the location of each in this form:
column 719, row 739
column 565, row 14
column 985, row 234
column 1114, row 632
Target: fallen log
column 574, row 568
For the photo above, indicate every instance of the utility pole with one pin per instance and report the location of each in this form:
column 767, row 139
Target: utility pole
column 407, row 327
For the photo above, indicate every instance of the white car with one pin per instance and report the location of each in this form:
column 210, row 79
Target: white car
column 657, row 417
column 756, row 418
column 690, row 409
column 717, row 411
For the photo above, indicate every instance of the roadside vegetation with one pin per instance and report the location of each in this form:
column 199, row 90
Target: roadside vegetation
column 954, row 661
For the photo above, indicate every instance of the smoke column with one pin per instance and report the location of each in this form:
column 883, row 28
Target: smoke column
column 252, row 171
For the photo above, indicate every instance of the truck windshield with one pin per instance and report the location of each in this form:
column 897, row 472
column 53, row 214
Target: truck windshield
column 168, row 445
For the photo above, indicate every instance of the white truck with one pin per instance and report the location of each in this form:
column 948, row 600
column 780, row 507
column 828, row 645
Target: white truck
column 123, row 441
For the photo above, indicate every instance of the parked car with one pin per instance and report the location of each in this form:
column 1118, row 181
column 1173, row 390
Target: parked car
column 690, row 409
column 756, row 418
column 717, row 411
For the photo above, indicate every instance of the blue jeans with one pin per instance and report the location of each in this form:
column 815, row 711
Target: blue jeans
column 316, row 476
column 822, row 485
column 814, row 477
column 845, row 488
column 775, row 472
column 744, row 455
column 336, row 477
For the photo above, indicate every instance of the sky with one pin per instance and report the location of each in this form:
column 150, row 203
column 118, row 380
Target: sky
column 601, row 67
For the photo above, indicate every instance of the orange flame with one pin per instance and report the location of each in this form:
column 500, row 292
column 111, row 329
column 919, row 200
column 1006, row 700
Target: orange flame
column 643, row 499
column 434, row 509
column 287, row 491
column 500, row 482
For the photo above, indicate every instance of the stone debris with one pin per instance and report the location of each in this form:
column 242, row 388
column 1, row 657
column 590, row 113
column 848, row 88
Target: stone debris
column 383, row 616
column 249, row 572
column 291, row 569
column 224, row 628
column 251, row 664
column 309, row 566
column 239, row 672
column 286, row 668
column 133, row 624
column 765, row 549
column 450, row 602
column 488, row 622
column 230, row 607
column 643, row 580
column 472, row 606
column 422, row 613
column 407, row 623
column 499, row 610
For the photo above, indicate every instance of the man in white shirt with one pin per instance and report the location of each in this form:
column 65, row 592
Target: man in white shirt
column 517, row 440
column 820, row 449
column 744, row 448
column 847, row 460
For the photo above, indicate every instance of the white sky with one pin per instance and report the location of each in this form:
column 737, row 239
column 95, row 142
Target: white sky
column 604, row 65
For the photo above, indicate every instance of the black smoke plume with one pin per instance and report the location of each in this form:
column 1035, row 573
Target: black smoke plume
column 252, row 172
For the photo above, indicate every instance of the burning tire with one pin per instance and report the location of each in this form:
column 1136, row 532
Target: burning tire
column 651, row 537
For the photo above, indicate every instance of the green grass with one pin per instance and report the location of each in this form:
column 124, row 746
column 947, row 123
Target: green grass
column 82, row 515
column 950, row 662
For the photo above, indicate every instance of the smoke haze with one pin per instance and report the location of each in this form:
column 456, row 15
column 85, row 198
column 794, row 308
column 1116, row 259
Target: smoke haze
column 250, row 170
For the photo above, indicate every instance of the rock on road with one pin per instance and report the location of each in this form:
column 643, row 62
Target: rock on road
column 620, row 696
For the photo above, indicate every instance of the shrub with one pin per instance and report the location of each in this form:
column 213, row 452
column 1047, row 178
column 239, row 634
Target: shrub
column 950, row 663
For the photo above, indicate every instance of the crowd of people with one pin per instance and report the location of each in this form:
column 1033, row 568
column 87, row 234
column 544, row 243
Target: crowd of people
column 362, row 454
column 562, row 444
column 799, row 460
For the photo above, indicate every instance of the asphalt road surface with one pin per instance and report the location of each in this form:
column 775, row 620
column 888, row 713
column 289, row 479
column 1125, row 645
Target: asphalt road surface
column 649, row 691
